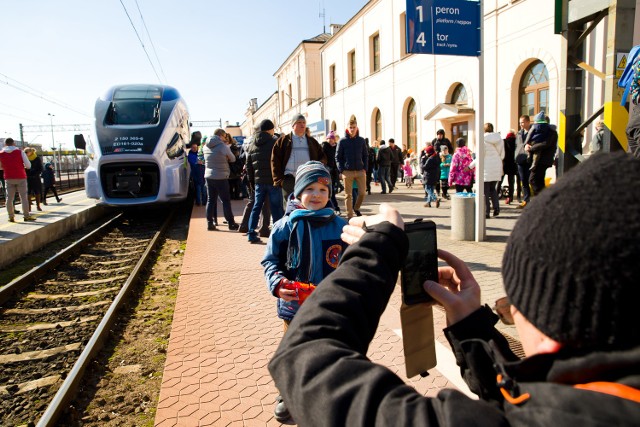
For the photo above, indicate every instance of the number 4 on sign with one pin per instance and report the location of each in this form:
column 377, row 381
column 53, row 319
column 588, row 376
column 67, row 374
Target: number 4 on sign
column 421, row 39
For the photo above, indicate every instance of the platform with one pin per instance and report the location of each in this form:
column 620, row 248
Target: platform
column 225, row 328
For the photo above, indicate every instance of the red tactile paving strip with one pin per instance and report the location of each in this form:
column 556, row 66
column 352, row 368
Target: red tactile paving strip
column 225, row 331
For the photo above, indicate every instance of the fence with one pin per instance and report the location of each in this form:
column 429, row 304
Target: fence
column 69, row 180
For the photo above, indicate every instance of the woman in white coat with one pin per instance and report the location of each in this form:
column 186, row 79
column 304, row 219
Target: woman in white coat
column 493, row 154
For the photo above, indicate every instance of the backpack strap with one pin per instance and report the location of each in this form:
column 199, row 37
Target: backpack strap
column 620, row 390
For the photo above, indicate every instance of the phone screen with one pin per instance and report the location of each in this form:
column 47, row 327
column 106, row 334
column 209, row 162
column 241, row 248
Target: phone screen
column 421, row 263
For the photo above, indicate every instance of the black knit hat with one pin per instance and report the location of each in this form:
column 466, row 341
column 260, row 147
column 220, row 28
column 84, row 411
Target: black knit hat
column 266, row 125
column 572, row 262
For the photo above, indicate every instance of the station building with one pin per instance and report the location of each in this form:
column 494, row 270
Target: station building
column 361, row 68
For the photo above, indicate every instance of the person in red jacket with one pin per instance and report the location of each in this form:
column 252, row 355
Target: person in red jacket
column 14, row 162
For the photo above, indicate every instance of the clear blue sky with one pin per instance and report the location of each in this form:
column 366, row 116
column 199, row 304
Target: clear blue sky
column 218, row 54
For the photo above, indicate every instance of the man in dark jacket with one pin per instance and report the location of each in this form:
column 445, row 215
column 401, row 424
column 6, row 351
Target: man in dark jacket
column 384, row 167
column 290, row 151
column 509, row 165
column 258, row 157
column 329, row 148
column 521, row 158
column 396, row 161
column 578, row 326
column 543, row 153
column 352, row 157
column 440, row 140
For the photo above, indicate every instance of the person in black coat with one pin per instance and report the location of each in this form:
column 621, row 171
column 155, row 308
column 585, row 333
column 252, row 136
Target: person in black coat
column 582, row 364
column 33, row 176
column 49, row 183
column 509, row 166
column 430, row 165
column 329, row 148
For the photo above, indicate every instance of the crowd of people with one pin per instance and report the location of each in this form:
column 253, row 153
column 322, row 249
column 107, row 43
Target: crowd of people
column 263, row 171
column 23, row 174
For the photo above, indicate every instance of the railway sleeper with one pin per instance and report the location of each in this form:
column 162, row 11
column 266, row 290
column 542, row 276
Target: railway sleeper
column 43, row 326
column 39, row 354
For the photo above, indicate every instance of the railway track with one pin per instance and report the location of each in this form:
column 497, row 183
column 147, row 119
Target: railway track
column 55, row 318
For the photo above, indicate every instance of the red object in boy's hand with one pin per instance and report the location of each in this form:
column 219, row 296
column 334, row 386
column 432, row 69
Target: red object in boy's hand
column 303, row 290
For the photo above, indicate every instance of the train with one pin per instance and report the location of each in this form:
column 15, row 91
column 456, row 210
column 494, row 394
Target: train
column 138, row 152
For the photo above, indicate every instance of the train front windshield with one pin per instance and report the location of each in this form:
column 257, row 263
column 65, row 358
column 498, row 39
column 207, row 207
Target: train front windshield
column 135, row 106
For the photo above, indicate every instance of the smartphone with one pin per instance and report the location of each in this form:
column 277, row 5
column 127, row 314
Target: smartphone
column 421, row 263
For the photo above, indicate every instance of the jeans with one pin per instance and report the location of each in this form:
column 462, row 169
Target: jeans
column 265, row 214
column 275, row 201
column 201, row 192
column 430, row 193
column 523, row 171
column 219, row 189
column 385, row 178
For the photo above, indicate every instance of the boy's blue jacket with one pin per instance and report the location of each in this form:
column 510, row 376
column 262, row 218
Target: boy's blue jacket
column 326, row 256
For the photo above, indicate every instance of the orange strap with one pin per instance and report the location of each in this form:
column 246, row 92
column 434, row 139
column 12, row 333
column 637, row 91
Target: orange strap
column 620, row 390
column 513, row 400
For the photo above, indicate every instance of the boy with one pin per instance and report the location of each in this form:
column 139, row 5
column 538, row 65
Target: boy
column 304, row 245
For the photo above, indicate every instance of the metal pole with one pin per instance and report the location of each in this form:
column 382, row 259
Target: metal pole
column 53, row 143
column 480, row 208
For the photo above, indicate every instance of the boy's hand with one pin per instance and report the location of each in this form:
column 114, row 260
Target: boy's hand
column 286, row 294
column 352, row 232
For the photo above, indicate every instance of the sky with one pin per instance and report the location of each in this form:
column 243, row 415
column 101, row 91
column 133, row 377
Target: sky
column 58, row 57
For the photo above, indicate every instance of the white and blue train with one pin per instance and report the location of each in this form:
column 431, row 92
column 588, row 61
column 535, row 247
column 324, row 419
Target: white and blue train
column 139, row 147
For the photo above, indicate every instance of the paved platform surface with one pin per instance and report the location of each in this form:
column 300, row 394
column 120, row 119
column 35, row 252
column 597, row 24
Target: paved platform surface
column 225, row 328
column 54, row 221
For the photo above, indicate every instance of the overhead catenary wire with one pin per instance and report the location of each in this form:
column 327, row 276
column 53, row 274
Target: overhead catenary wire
column 36, row 93
column 141, row 42
column 155, row 53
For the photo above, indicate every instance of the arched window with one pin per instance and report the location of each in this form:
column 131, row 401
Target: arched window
column 534, row 89
column 377, row 125
column 412, row 126
column 459, row 96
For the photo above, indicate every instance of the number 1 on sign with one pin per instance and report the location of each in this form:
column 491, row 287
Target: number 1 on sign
column 419, row 9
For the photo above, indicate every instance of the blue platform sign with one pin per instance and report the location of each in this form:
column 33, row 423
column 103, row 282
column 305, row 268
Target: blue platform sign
column 444, row 27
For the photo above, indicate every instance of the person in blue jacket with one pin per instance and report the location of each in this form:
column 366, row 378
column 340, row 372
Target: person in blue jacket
column 304, row 245
column 197, row 174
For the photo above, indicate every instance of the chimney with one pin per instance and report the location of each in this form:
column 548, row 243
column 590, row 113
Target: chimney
column 334, row 28
column 253, row 105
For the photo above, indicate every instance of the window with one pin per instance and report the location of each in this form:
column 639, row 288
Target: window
column 377, row 125
column 403, row 35
column 534, row 90
column 290, row 96
column 460, row 130
column 351, row 62
column 375, row 53
column 332, row 79
column 459, row 96
column 282, row 98
column 412, row 127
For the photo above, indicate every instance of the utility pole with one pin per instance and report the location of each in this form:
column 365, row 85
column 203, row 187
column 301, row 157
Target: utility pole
column 53, row 143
